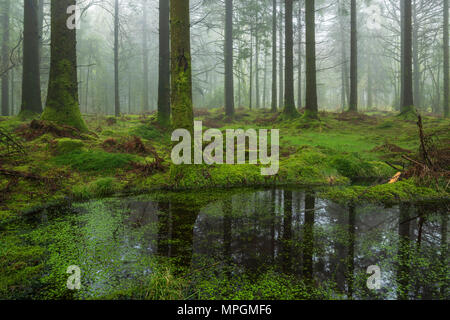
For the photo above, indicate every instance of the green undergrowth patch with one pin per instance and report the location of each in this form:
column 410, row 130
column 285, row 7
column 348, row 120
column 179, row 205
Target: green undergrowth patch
column 402, row 191
column 94, row 160
column 100, row 188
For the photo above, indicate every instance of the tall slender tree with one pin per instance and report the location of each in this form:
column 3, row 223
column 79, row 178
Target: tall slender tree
column 62, row 96
column 5, row 56
column 181, row 70
column 446, row 62
column 353, row 105
column 274, row 55
column 31, row 81
column 116, row 59
column 407, row 76
column 289, row 103
column 164, row 64
column 312, row 108
column 300, row 53
column 229, row 83
column 281, row 68
column 145, row 103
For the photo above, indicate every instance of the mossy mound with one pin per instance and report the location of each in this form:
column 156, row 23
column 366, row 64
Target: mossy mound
column 99, row 188
column 95, row 161
column 67, row 145
column 402, row 191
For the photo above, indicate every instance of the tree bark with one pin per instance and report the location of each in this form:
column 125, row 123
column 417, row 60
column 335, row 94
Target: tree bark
column 312, row 108
column 116, row 60
column 407, row 81
column 181, row 94
column 281, row 68
column 5, row 57
column 31, row 80
column 300, row 53
column 145, row 104
column 446, row 62
column 416, row 63
column 353, row 105
column 164, row 64
column 289, row 102
column 62, row 98
column 274, row 56
column 229, row 76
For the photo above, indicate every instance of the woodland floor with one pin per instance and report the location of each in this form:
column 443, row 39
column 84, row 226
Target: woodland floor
column 343, row 156
column 131, row 155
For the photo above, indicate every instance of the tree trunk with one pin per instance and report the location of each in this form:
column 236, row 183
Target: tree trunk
column 407, row 81
column 5, row 58
column 300, row 52
column 353, row 105
column 229, row 76
column 369, row 86
column 62, row 96
column 180, row 40
column 417, row 73
column 446, row 62
column 289, row 102
column 250, row 104
column 257, row 68
column 145, row 105
column 312, row 108
column 281, row 68
column 31, row 80
column 164, row 64
column 116, row 60
column 274, row 56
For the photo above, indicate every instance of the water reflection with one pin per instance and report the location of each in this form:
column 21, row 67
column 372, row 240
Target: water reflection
column 298, row 234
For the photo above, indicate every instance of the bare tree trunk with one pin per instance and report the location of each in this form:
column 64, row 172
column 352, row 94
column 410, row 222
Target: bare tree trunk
column 116, row 60
column 353, row 105
column 164, row 64
column 407, row 81
column 257, row 68
column 281, row 68
column 274, row 56
column 312, row 107
column 31, row 80
column 251, row 69
column 289, row 101
column 417, row 73
column 5, row 57
column 300, row 53
column 145, row 104
column 446, row 62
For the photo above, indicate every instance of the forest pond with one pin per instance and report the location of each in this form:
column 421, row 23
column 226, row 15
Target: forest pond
column 247, row 243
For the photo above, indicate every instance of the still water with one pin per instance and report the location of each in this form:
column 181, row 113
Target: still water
column 248, row 244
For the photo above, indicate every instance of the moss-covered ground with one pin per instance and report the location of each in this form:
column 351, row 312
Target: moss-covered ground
column 336, row 150
column 329, row 154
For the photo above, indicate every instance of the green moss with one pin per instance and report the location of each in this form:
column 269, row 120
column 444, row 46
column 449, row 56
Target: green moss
column 67, row 145
column 352, row 166
column 62, row 103
column 147, row 132
column 99, row 188
column 94, row 160
column 402, row 191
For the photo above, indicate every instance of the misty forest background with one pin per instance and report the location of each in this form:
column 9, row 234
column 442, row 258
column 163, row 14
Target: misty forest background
column 123, row 62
